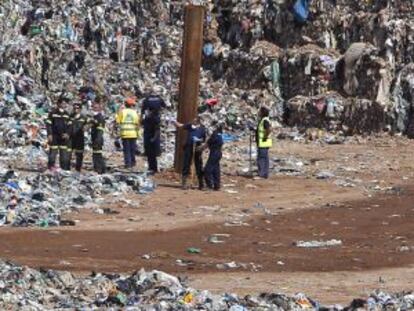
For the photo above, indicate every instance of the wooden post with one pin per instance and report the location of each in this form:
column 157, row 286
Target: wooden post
column 189, row 75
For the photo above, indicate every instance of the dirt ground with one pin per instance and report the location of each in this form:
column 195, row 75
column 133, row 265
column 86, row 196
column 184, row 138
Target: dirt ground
column 243, row 237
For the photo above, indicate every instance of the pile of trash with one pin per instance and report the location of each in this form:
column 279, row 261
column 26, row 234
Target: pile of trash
column 358, row 49
column 254, row 53
column 42, row 199
column 29, row 289
column 341, row 66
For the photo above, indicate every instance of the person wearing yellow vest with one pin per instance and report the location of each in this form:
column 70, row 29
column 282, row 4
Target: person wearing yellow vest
column 128, row 123
column 264, row 142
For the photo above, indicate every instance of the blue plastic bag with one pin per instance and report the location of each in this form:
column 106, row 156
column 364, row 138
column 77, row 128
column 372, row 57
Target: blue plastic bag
column 228, row 138
column 208, row 49
column 301, row 10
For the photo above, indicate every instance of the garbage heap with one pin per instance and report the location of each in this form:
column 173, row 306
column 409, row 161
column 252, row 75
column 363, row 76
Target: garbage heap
column 317, row 63
column 28, row 289
column 44, row 199
column 336, row 65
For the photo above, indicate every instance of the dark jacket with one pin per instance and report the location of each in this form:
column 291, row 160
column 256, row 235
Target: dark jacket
column 215, row 142
column 97, row 130
column 78, row 126
column 58, row 123
column 152, row 102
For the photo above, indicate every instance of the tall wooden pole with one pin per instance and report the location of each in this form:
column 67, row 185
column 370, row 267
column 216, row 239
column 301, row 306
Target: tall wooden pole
column 190, row 75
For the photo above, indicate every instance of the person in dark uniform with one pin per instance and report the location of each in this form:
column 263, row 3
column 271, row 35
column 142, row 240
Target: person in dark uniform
column 58, row 135
column 97, row 134
column 87, row 33
column 45, row 68
column 212, row 169
column 151, row 102
column 152, row 135
column 78, row 135
column 196, row 136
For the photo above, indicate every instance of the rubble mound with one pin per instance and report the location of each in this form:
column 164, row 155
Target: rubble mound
column 255, row 52
column 24, row 288
column 42, row 199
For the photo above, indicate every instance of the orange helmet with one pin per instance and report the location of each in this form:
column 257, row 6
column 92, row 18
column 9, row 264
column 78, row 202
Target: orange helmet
column 130, row 101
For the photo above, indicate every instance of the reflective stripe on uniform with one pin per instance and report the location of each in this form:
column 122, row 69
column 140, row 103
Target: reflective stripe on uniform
column 59, row 116
column 100, row 128
column 129, row 121
column 54, row 147
column 97, row 151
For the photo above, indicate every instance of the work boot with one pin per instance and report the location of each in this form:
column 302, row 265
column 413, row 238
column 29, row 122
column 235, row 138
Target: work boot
column 200, row 184
column 184, row 184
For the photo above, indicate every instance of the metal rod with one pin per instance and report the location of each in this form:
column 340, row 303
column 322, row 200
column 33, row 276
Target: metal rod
column 250, row 154
column 189, row 76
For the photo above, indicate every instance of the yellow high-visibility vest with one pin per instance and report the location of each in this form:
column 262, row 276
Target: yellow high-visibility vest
column 261, row 133
column 129, row 123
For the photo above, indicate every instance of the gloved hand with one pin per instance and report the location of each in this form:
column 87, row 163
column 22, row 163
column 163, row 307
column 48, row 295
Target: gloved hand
column 196, row 139
column 117, row 144
column 171, row 120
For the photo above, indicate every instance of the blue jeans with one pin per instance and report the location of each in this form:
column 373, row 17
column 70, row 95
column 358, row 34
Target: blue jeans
column 263, row 162
column 130, row 148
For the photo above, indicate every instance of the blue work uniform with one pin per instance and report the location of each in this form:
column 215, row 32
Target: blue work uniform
column 152, row 141
column 196, row 135
column 212, row 168
column 152, row 102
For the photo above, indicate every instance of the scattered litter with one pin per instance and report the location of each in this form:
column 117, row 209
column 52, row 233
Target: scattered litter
column 193, row 250
column 218, row 238
column 317, row 244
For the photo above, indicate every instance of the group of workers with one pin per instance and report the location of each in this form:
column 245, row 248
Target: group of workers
column 66, row 133
column 66, row 136
column 197, row 142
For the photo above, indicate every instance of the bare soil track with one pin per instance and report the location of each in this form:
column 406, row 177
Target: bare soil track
column 262, row 220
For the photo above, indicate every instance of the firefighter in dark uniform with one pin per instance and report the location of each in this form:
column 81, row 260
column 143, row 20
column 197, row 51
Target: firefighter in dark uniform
column 79, row 122
column 97, row 122
column 212, row 168
column 58, row 126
